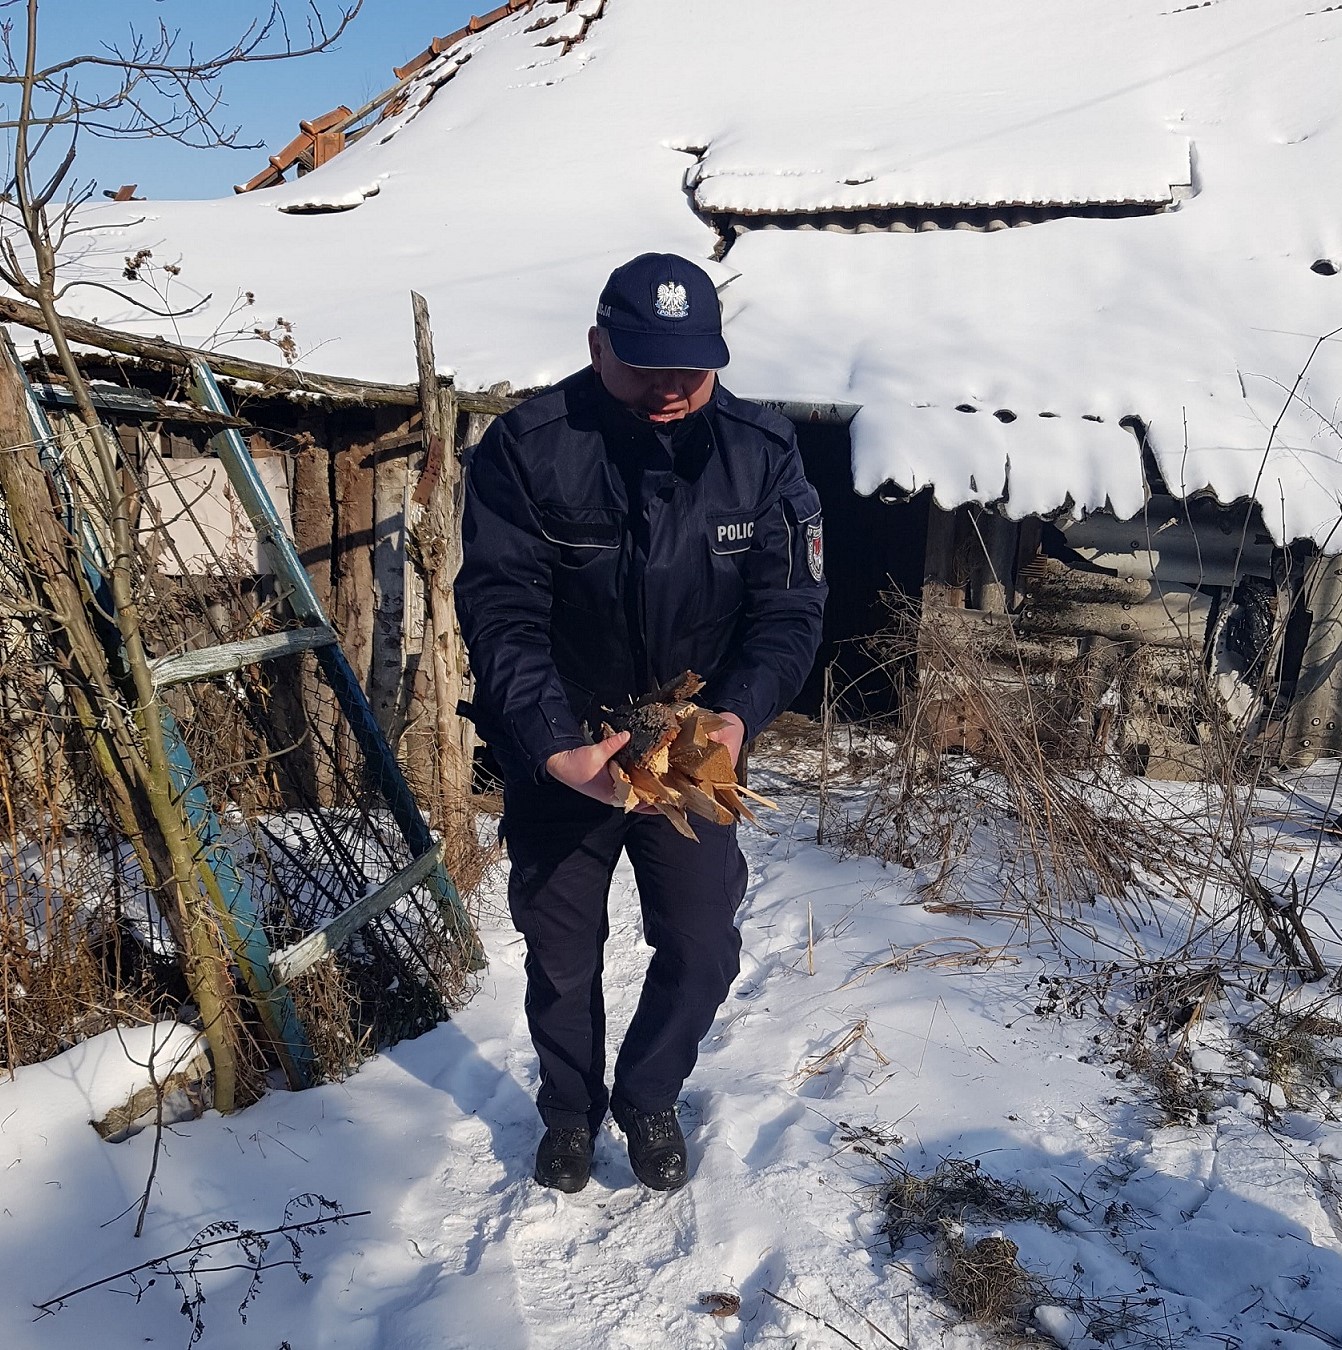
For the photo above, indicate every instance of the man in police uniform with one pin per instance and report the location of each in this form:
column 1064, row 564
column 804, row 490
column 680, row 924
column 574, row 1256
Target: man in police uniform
column 632, row 522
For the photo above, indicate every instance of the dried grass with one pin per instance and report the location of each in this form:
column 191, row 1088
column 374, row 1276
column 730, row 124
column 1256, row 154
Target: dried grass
column 326, row 1001
column 959, row 1191
column 984, row 1281
column 1301, row 1053
column 62, row 976
column 1030, row 792
column 1011, row 798
column 61, row 992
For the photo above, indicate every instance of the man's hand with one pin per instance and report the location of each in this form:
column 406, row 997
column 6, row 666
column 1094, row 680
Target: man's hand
column 733, row 735
column 587, row 769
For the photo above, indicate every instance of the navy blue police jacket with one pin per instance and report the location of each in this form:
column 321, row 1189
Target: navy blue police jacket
column 603, row 555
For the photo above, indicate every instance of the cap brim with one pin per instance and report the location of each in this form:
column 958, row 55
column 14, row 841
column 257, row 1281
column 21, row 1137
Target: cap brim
column 669, row 351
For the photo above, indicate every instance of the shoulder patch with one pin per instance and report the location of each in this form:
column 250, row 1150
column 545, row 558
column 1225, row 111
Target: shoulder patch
column 815, row 550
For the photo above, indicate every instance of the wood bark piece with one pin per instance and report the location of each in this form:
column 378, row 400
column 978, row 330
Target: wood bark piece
column 651, row 727
column 670, row 763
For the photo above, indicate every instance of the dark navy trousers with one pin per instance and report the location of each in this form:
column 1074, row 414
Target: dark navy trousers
column 563, row 848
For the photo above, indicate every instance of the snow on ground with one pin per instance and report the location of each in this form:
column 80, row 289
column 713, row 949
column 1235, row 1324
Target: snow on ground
column 827, row 1057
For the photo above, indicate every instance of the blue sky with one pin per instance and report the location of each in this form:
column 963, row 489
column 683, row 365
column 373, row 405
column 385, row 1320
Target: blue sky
column 267, row 100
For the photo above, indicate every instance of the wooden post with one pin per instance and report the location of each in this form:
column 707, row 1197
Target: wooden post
column 993, row 571
column 353, row 572
column 1313, row 723
column 943, row 583
column 386, row 684
column 440, row 498
column 314, row 537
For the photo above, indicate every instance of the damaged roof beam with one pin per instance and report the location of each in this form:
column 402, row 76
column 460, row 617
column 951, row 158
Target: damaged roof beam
column 801, row 413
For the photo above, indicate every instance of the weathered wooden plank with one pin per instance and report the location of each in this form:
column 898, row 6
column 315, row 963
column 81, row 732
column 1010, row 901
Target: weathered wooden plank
column 1175, row 619
column 207, row 662
column 991, row 573
column 307, row 951
column 352, row 600
column 994, row 637
column 943, row 583
column 312, row 516
column 1051, row 583
column 284, row 378
column 124, row 404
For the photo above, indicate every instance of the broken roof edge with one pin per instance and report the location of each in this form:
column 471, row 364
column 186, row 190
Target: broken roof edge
column 343, row 120
column 285, row 380
column 1175, row 192
column 477, row 23
column 1068, row 513
column 804, row 411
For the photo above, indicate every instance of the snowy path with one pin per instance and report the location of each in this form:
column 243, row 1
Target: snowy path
column 618, row 1266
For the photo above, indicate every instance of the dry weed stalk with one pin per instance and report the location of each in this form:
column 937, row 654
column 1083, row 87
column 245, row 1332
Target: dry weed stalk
column 857, row 1034
column 971, row 953
column 999, row 792
column 1062, row 830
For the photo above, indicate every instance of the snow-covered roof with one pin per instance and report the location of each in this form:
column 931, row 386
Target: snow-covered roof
column 507, row 193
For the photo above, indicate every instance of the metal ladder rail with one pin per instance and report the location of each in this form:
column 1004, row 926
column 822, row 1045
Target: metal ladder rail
column 235, row 910
column 427, row 868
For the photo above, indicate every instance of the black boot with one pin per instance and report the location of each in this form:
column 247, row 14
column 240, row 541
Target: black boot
column 564, row 1158
column 656, row 1146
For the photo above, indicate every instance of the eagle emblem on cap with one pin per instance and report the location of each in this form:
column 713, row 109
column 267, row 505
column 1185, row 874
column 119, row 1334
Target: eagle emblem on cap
column 672, row 301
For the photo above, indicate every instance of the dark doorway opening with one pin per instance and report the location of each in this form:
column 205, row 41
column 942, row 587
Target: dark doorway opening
column 872, row 546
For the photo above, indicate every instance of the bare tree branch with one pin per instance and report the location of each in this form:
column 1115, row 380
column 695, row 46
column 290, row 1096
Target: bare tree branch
column 159, row 87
